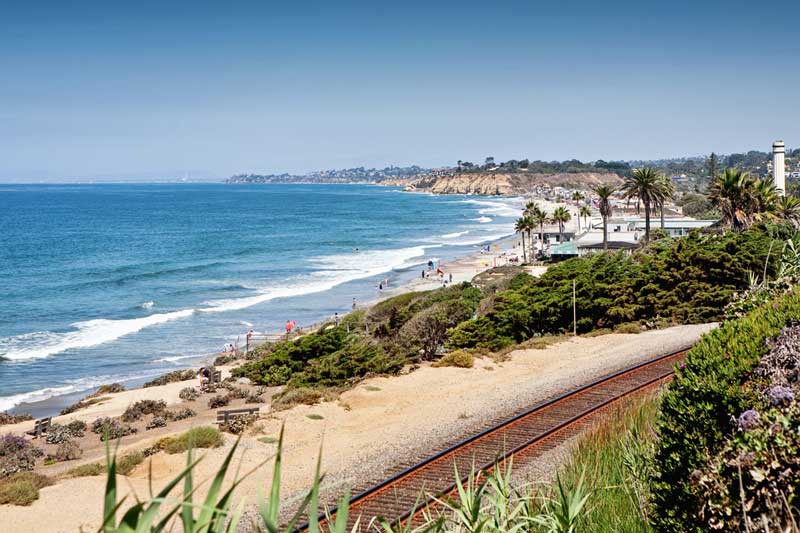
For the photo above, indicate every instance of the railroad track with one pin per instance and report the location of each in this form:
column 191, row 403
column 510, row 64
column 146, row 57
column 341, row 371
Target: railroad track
column 524, row 436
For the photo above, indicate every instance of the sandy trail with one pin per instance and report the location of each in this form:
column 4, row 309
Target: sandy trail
column 371, row 430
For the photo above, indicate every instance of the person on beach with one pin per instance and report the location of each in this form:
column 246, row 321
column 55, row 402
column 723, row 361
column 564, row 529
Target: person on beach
column 354, row 304
column 380, row 286
column 451, row 277
column 336, row 319
column 423, row 273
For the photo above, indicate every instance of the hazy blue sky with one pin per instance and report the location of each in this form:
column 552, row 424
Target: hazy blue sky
column 161, row 89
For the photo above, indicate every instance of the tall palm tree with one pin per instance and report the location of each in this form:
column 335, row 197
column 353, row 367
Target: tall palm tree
column 585, row 212
column 577, row 196
column 520, row 226
column 539, row 218
column 561, row 216
column 604, row 193
column 645, row 186
column 667, row 192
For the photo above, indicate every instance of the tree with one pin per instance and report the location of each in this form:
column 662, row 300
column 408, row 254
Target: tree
column 520, row 226
column 584, row 212
column 489, row 162
column 538, row 217
column 646, row 187
column 459, row 165
column 561, row 216
column 789, row 209
column 712, row 163
column 577, row 196
column 604, row 193
column 743, row 200
column 667, row 192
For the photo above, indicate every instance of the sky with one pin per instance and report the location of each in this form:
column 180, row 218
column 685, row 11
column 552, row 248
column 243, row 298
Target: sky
column 158, row 90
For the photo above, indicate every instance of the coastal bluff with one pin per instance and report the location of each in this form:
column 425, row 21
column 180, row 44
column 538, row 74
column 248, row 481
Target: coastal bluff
column 503, row 184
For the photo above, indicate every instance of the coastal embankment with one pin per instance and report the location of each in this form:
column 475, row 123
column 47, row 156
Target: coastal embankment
column 366, row 433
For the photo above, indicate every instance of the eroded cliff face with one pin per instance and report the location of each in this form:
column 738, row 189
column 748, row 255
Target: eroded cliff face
column 505, row 184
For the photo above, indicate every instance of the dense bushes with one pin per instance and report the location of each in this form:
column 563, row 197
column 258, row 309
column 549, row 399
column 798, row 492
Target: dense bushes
column 687, row 280
column 380, row 341
column 700, row 409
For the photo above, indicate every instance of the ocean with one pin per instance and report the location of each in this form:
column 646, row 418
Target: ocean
column 109, row 283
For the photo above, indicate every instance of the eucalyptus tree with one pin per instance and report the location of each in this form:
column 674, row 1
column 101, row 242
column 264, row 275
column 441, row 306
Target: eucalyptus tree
column 604, row 194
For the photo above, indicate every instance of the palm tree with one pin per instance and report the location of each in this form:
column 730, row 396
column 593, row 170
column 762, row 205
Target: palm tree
column 743, row 200
column 585, row 212
column 667, row 192
column 645, row 186
column 539, row 218
column 520, row 226
column 728, row 193
column 577, row 196
column 604, row 193
column 789, row 209
column 561, row 216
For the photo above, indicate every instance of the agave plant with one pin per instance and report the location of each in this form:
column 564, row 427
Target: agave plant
column 214, row 515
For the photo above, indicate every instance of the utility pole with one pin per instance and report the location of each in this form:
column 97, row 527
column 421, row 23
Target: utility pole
column 574, row 312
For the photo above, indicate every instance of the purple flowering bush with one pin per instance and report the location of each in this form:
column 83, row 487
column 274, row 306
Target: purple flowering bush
column 17, row 454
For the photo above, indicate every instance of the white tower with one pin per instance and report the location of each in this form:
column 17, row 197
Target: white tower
column 778, row 167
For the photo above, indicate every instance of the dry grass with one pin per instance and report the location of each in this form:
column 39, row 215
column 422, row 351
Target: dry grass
column 303, row 396
column 22, row 488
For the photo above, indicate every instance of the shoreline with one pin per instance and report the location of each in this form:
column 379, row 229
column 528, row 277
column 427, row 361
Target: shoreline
column 463, row 268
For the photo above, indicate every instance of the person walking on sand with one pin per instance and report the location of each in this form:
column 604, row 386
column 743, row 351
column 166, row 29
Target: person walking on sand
column 336, row 319
column 354, row 304
column 451, row 277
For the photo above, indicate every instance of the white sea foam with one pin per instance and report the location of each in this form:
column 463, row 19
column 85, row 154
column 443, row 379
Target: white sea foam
column 454, row 235
column 86, row 334
column 72, row 386
column 482, row 220
column 176, row 358
column 334, row 270
column 148, row 304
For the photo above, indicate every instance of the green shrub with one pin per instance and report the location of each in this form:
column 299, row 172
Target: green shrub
column 143, row 407
column 457, row 358
column 188, row 394
column 199, row 437
column 628, row 327
column 6, row 418
column 22, row 488
column 687, row 280
column 128, row 462
column 109, row 389
column 215, row 402
column 300, row 395
column 90, row 469
column 18, row 493
column 171, row 377
column 697, row 412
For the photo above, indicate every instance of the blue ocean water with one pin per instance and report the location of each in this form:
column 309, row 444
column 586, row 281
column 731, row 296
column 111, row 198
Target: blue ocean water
column 121, row 282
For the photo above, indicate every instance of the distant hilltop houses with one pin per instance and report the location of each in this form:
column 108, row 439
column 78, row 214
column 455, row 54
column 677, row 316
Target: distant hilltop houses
column 515, row 175
column 347, row 175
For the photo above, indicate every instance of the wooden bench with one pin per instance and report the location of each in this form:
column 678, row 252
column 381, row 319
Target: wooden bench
column 224, row 416
column 214, row 379
column 40, row 427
